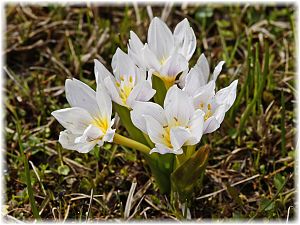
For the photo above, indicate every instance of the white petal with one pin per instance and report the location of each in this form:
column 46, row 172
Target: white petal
column 174, row 65
column 219, row 113
column 201, row 69
column 178, row 107
column 122, row 65
column 151, row 61
column 160, row 39
column 141, row 92
column 113, row 90
column 74, row 119
column 196, row 125
column 146, row 108
column 205, row 94
column 100, row 73
column 182, row 78
column 67, row 140
column 91, row 133
column 104, row 103
column 81, row 95
column 162, row 149
column 179, row 135
column 140, row 75
column 227, row 95
column 185, row 39
column 109, row 135
column 210, row 125
column 217, row 70
column 134, row 49
column 154, row 129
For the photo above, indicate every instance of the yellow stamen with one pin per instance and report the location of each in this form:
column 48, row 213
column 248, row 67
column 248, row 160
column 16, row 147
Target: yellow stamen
column 122, row 78
column 101, row 123
column 130, row 79
column 209, row 106
column 125, row 92
column 201, row 105
column 118, row 84
column 166, row 136
column 207, row 115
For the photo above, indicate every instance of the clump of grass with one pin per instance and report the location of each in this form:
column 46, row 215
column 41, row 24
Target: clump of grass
column 250, row 170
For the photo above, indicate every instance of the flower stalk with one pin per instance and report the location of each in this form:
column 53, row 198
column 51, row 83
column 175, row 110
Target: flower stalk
column 127, row 142
column 27, row 175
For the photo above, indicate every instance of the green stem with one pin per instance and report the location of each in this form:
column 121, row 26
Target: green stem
column 190, row 149
column 127, row 142
column 27, row 174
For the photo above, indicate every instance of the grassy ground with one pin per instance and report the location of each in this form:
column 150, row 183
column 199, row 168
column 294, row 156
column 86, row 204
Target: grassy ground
column 250, row 173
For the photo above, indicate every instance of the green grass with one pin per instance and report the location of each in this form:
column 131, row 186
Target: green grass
column 250, row 172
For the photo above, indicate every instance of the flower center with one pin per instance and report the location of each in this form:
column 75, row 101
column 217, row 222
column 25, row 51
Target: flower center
column 166, row 136
column 168, row 80
column 207, row 109
column 125, row 87
column 101, row 123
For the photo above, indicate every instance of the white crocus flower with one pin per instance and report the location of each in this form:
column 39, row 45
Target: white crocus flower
column 129, row 83
column 88, row 121
column 177, row 124
column 198, row 84
column 166, row 54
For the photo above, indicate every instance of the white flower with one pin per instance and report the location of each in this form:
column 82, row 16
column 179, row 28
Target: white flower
column 129, row 83
column 166, row 54
column 199, row 85
column 177, row 124
column 88, row 121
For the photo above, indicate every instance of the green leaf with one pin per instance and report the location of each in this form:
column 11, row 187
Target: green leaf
column 160, row 165
column 63, row 170
column 266, row 204
column 184, row 178
column 279, row 181
column 160, row 88
column 134, row 133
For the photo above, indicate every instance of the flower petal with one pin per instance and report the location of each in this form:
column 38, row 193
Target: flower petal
column 151, row 61
column 100, row 73
column 173, row 66
column 146, row 108
column 196, row 125
column 178, row 107
column 109, row 135
column 67, row 140
column 104, row 103
column 179, row 135
column 160, row 39
column 201, row 69
column 219, row 113
column 134, row 50
column 113, row 90
column 122, row 65
column 74, row 119
column 182, row 78
column 210, row 125
column 91, row 133
column 227, row 95
column 205, row 94
column 154, row 129
column 81, row 95
column 185, row 39
column 217, row 70
column 162, row 149
column 141, row 92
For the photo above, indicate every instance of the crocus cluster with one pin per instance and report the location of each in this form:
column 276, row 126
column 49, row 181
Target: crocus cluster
column 191, row 105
